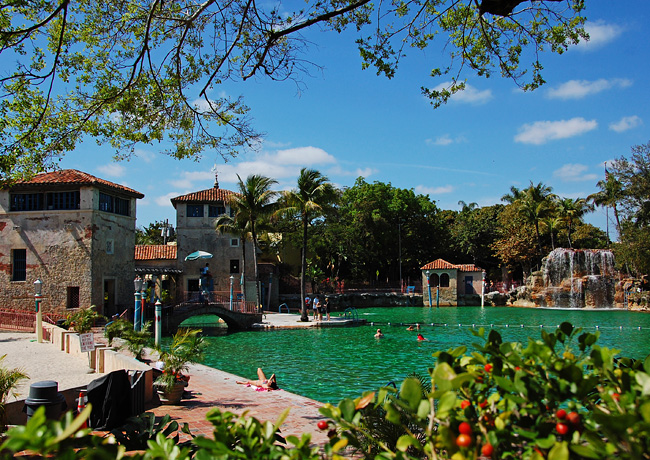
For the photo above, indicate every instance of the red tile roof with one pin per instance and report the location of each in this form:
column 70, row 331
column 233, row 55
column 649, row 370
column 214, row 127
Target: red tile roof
column 211, row 195
column 440, row 264
column 67, row 177
column 155, row 251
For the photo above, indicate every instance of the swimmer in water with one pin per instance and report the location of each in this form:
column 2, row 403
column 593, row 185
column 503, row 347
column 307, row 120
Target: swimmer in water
column 379, row 335
column 421, row 338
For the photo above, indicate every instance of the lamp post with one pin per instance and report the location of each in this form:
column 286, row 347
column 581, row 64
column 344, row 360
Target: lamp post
column 483, row 291
column 137, row 284
column 143, row 302
column 38, row 286
column 428, row 273
column 158, row 319
column 232, row 278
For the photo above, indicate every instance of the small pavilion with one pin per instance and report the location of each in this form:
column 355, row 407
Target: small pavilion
column 447, row 284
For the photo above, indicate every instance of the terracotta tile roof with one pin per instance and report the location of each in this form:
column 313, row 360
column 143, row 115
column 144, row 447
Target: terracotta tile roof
column 155, row 251
column 441, row 264
column 211, row 195
column 66, row 177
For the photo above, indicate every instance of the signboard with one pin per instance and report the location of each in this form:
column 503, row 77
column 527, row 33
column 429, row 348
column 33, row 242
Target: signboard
column 87, row 341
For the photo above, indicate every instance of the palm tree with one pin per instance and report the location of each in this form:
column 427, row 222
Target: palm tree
column 551, row 223
column 254, row 202
column 571, row 211
column 238, row 225
column 313, row 194
column 533, row 204
column 611, row 193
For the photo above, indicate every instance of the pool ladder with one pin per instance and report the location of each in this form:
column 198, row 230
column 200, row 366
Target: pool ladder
column 351, row 313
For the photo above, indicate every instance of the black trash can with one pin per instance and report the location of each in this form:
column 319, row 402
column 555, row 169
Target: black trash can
column 45, row 393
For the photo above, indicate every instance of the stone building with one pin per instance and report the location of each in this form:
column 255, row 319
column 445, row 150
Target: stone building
column 73, row 231
column 451, row 285
column 196, row 214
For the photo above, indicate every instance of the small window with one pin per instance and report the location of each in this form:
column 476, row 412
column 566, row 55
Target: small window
column 109, row 247
column 110, row 203
column 194, row 210
column 234, row 242
column 63, row 200
column 234, row 266
column 216, row 211
column 434, row 281
column 26, row 202
column 19, row 265
column 73, row 297
column 444, row 280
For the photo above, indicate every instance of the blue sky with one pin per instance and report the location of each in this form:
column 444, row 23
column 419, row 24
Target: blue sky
column 347, row 122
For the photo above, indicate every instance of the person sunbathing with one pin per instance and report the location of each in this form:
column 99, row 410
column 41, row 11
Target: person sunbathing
column 262, row 382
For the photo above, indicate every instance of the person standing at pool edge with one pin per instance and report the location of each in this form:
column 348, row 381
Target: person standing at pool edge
column 327, row 307
column 307, row 305
column 316, row 307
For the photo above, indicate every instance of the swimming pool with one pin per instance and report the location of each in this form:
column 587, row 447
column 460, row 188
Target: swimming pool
column 328, row 364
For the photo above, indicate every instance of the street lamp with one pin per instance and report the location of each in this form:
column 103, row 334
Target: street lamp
column 38, row 286
column 232, row 278
column 158, row 318
column 137, row 284
column 483, row 290
column 428, row 273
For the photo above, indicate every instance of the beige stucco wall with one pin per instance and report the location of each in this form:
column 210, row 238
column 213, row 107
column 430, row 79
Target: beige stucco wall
column 448, row 295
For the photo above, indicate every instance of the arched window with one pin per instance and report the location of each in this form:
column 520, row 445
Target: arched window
column 434, row 280
column 444, row 280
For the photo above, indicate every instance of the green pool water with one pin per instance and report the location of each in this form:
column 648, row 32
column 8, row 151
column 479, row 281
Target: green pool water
column 328, row 364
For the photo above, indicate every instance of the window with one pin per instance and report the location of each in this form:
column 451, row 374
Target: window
column 234, row 266
column 41, row 201
column 109, row 247
column 116, row 205
column 234, row 242
column 19, row 265
column 444, row 280
column 26, row 202
column 216, row 211
column 434, row 280
column 194, row 210
column 63, row 200
column 73, row 297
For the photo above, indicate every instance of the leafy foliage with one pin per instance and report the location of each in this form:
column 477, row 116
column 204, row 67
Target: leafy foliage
column 160, row 84
column 512, row 396
column 9, row 379
column 82, row 320
column 187, row 347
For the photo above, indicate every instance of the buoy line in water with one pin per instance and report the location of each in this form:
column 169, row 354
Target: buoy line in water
column 520, row 326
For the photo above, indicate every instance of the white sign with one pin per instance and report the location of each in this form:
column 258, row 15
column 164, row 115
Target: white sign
column 87, row 341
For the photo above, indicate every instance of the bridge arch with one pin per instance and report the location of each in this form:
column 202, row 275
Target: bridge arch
column 235, row 320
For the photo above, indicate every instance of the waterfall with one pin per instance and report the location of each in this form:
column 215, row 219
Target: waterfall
column 582, row 278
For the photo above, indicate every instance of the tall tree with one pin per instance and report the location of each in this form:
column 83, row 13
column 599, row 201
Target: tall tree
column 152, row 234
column 532, row 204
column 609, row 195
column 571, row 211
column 314, row 192
column 254, row 202
column 137, row 71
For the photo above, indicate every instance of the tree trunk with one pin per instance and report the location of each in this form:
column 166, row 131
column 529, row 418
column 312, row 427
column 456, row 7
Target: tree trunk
column 304, row 316
column 243, row 269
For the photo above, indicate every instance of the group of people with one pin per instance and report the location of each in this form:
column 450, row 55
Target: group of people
column 318, row 309
column 421, row 338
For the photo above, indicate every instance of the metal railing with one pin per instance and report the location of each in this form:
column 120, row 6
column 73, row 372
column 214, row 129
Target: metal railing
column 219, row 297
column 24, row 321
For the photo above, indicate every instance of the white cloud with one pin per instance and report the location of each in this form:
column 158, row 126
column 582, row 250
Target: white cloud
column 441, row 190
column 577, row 89
column 470, row 95
column 112, row 170
column 626, row 123
column 574, row 173
column 304, row 156
column 445, row 140
column 145, row 155
column 540, row 132
column 600, row 33
column 164, row 200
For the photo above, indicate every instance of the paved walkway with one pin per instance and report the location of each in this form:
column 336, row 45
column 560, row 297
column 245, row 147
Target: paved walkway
column 208, row 388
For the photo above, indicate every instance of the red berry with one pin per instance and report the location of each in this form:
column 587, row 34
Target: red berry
column 483, row 404
column 465, row 404
column 616, row 396
column 573, row 418
column 517, row 368
column 322, row 425
column 561, row 428
column 561, row 414
column 464, row 428
column 487, row 450
column 488, row 367
column 463, row 440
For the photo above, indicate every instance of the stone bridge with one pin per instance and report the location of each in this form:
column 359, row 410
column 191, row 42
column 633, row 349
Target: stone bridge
column 236, row 320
